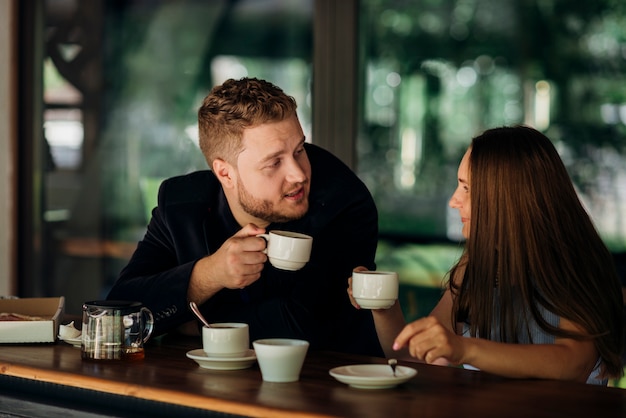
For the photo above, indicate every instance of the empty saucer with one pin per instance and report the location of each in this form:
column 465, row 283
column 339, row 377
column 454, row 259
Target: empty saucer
column 372, row 376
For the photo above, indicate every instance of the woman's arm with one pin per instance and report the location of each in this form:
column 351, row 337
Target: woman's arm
column 389, row 323
column 567, row 359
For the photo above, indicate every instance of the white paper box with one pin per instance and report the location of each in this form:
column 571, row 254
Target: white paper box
column 50, row 309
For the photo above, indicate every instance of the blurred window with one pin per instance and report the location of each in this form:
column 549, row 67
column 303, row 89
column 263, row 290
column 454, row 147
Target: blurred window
column 123, row 82
column 436, row 73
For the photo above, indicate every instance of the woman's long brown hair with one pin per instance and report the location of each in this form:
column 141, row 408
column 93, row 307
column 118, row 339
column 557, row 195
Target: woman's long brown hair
column 533, row 243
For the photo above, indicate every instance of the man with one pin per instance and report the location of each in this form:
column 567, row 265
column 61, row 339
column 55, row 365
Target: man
column 201, row 244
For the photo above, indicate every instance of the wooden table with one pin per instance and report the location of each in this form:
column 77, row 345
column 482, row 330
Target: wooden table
column 166, row 379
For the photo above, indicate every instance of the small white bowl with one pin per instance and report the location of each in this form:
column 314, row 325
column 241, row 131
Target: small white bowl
column 280, row 359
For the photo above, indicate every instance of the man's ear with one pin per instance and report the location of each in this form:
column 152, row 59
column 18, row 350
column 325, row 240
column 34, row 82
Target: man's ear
column 224, row 172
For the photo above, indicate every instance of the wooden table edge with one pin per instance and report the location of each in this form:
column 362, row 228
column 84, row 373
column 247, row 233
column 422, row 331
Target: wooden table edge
column 149, row 393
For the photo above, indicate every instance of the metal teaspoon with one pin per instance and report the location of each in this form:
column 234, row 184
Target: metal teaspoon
column 196, row 311
column 393, row 363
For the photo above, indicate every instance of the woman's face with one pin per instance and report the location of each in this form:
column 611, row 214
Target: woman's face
column 460, row 200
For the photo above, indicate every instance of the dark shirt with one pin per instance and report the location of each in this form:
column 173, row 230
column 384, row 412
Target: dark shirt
column 193, row 219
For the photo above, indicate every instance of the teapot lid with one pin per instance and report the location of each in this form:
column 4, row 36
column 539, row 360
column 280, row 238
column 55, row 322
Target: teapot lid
column 124, row 306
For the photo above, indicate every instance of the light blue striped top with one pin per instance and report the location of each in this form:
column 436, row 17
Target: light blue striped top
column 539, row 336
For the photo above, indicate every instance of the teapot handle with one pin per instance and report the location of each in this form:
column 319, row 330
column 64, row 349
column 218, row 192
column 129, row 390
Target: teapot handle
column 147, row 331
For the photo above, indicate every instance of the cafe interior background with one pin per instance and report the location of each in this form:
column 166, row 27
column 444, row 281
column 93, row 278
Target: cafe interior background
column 101, row 100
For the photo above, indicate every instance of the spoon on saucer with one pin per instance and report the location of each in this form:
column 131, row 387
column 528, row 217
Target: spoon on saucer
column 196, row 311
column 393, row 363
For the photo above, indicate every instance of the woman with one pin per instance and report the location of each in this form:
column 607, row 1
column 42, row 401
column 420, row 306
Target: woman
column 535, row 286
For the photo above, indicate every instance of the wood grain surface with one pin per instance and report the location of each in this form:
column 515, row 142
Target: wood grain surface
column 167, row 375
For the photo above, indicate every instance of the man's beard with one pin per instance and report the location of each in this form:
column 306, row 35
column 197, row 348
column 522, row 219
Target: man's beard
column 263, row 209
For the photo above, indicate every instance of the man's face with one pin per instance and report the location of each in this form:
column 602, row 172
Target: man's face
column 273, row 174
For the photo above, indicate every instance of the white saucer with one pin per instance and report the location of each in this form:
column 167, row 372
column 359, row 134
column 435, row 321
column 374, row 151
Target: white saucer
column 372, row 376
column 222, row 363
column 73, row 341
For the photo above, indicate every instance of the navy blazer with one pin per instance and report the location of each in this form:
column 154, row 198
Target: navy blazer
column 193, row 219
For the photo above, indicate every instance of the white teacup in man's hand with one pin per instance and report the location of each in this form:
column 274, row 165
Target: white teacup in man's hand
column 288, row 250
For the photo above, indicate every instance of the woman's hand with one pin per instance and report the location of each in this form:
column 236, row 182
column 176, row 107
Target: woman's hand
column 428, row 340
column 352, row 300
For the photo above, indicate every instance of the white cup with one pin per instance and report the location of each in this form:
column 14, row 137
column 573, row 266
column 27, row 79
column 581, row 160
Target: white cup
column 280, row 359
column 375, row 289
column 226, row 339
column 287, row 250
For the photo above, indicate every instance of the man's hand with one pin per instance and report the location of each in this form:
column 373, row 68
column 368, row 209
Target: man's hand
column 235, row 265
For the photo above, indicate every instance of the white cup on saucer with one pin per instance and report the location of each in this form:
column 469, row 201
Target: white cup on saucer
column 226, row 339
